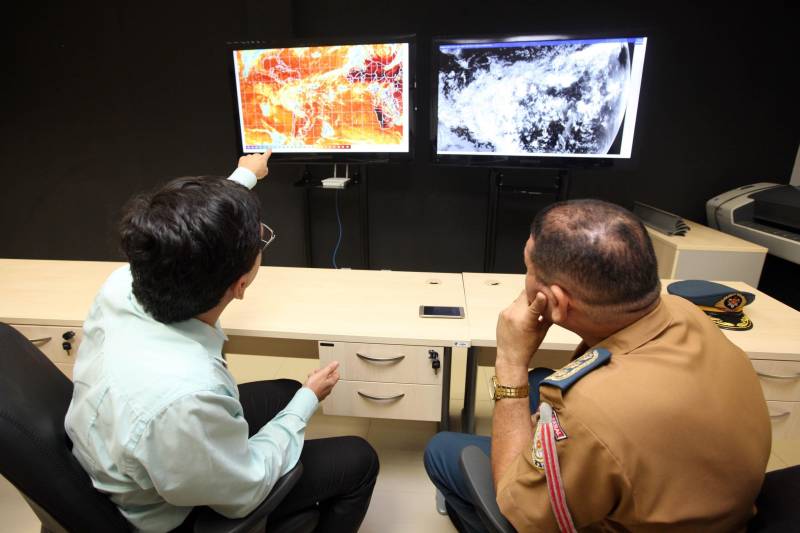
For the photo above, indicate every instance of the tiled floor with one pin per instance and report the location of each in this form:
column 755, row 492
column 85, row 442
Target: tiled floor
column 399, row 444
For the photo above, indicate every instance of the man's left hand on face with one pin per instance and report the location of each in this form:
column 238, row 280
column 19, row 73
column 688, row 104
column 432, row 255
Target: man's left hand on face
column 521, row 327
column 256, row 163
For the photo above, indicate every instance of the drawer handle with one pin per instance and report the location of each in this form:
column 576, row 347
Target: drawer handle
column 379, row 360
column 42, row 340
column 381, row 398
column 777, row 376
column 780, row 415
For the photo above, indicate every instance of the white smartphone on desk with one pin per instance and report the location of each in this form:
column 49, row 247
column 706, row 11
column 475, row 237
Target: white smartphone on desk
column 440, row 311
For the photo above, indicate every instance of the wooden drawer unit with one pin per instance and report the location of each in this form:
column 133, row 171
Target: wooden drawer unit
column 387, row 363
column 385, row 380
column 50, row 339
column 785, row 419
column 780, row 380
column 385, row 400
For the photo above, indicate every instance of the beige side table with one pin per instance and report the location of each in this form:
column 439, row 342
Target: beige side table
column 705, row 253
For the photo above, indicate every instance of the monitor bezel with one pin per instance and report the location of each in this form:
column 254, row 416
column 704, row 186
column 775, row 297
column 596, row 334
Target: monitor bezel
column 332, row 157
column 520, row 161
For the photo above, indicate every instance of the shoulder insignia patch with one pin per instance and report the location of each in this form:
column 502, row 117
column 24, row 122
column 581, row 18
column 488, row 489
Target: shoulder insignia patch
column 558, row 431
column 566, row 376
column 537, row 451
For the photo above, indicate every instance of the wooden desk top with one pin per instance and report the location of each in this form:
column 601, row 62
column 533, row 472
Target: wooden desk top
column 700, row 237
column 348, row 305
column 50, row 293
column 352, row 305
column 487, row 295
column 775, row 334
column 290, row 303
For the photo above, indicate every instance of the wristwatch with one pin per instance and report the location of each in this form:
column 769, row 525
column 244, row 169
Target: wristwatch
column 499, row 392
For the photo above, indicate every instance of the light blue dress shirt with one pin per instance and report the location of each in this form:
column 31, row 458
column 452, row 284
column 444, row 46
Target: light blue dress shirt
column 155, row 417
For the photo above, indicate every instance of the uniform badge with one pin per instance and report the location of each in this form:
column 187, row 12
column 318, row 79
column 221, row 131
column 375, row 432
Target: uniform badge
column 558, row 431
column 537, row 451
column 733, row 302
column 574, row 367
column 565, row 377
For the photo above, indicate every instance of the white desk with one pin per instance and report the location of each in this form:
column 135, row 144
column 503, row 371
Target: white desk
column 368, row 321
column 287, row 312
column 293, row 311
column 347, row 305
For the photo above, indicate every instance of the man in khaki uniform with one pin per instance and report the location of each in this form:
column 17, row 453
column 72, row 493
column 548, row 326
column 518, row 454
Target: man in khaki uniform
column 659, row 423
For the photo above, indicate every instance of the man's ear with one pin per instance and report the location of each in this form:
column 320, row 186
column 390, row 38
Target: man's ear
column 559, row 302
column 238, row 287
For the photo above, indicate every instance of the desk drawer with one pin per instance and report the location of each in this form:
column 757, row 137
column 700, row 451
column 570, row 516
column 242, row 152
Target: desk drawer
column 785, row 419
column 388, row 363
column 49, row 340
column 385, row 400
column 780, row 380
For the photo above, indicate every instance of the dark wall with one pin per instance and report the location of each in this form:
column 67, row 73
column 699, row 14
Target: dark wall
column 106, row 99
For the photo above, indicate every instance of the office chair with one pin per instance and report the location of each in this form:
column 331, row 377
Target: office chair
column 36, row 457
column 778, row 502
column 477, row 470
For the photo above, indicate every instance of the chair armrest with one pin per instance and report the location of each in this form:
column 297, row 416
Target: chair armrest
column 208, row 521
column 477, row 470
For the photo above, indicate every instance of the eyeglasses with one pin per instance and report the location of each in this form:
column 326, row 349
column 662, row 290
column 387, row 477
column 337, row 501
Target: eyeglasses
column 267, row 236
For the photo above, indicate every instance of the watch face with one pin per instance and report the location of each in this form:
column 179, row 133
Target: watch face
column 493, row 388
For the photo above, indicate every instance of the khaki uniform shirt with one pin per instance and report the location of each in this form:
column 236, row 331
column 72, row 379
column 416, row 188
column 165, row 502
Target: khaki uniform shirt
column 673, row 434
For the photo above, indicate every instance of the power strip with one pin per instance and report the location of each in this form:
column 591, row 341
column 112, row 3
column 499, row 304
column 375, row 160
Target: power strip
column 334, row 183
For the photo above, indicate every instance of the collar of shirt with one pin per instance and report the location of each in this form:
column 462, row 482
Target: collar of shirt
column 212, row 338
column 637, row 334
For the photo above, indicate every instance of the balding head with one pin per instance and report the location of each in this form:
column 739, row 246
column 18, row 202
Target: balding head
column 598, row 251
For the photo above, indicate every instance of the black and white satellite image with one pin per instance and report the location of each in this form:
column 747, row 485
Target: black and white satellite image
column 565, row 98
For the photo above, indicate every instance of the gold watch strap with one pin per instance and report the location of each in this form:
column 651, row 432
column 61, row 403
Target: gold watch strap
column 504, row 391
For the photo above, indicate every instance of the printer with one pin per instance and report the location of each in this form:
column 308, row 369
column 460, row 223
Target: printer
column 764, row 213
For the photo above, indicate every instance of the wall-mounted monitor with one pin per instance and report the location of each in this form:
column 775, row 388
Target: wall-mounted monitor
column 544, row 100
column 333, row 102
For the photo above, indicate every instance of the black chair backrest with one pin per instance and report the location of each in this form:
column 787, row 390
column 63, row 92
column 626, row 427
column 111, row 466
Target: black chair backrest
column 778, row 503
column 35, row 452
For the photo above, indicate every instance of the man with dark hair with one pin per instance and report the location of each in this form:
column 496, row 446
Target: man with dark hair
column 658, row 423
column 156, row 418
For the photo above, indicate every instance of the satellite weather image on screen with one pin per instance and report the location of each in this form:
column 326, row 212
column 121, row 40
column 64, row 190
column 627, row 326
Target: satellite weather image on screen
column 555, row 97
column 347, row 98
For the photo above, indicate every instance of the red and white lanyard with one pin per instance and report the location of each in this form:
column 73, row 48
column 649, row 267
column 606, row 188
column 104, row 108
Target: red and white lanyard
column 552, row 470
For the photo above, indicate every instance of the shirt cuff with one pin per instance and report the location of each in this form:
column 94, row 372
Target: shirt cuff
column 244, row 177
column 303, row 404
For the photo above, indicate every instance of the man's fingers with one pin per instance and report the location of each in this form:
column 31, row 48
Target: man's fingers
column 267, row 154
column 539, row 304
column 331, row 368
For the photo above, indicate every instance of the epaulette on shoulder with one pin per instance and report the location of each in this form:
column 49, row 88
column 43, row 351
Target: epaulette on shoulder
column 566, row 376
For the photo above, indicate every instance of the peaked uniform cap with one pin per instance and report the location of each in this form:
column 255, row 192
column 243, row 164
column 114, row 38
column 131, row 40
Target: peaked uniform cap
column 723, row 304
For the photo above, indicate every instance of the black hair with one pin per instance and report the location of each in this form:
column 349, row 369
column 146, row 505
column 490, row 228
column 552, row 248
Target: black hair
column 187, row 242
column 597, row 249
